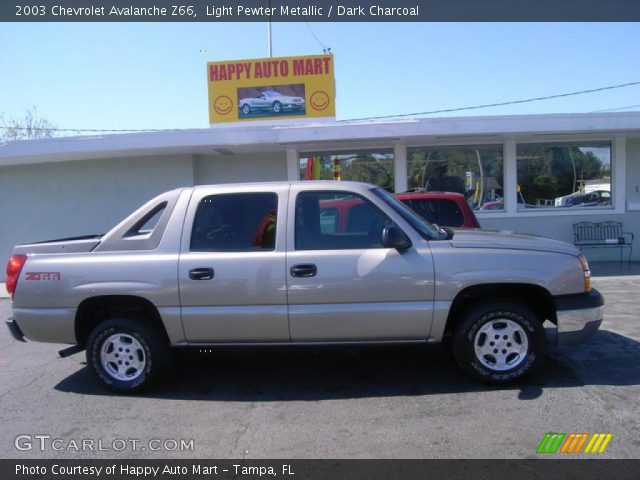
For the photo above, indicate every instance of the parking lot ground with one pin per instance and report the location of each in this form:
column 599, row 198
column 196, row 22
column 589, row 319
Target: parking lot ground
column 373, row 402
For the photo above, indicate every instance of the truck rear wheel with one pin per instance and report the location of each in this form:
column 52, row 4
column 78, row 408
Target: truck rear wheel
column 499, row 342
column 125, row 355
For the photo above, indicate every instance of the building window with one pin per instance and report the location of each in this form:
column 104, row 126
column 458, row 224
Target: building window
column 477, row 172
column 564, row 175
column 375, row 167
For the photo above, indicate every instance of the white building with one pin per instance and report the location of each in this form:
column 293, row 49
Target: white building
column 70, row 186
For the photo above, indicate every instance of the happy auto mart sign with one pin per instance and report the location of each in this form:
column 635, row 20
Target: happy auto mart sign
column 271, row 89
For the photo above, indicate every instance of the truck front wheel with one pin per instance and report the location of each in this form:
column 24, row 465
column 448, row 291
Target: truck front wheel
column 499, row 342
column 125, row 355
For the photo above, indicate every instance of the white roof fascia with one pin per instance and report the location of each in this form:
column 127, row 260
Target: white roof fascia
column 280, row 138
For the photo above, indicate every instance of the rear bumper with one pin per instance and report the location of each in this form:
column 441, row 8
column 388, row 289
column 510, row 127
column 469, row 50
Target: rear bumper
column 52, row 325
column 15, row 329
column 579, row 316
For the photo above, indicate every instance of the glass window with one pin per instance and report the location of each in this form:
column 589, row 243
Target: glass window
column 375, row 167
column 235, row 223
column 475, row 171
column 442, row 212
column 337, row 221
column 147, row 224
column 564, row 175
column 424, row 228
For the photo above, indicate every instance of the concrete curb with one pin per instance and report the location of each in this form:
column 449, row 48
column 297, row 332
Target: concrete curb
column 616, row 277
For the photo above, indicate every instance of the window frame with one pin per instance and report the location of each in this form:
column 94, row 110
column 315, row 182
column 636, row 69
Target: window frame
column 345, row 193
column 205, row 195
column 577, row 209
column 463, row 146
column 618, row 178
column 387, row 151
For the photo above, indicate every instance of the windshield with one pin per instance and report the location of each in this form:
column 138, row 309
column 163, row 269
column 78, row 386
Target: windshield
column 424, row 228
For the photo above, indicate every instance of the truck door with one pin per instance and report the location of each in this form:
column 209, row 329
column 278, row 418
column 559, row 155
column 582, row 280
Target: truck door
column 343, row 285
column 232, row 266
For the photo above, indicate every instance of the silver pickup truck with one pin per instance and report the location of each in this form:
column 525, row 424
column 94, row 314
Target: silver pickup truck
column 296, row 263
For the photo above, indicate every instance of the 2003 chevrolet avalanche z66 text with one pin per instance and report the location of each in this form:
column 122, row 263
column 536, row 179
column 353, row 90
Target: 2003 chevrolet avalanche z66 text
column 275, row 263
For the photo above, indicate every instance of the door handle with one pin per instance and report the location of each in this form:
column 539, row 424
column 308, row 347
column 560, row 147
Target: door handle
column 304, row 270
column 201, row 273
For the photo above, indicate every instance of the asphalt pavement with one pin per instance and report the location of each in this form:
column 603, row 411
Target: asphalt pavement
column 365, row 402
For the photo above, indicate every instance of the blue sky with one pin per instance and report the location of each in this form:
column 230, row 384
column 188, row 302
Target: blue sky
column 153, row 75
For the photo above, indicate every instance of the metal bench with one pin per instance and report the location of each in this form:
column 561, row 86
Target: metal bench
column 603, row 234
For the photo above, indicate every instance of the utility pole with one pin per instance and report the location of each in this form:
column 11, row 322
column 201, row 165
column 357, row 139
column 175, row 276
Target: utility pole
column 269, row 41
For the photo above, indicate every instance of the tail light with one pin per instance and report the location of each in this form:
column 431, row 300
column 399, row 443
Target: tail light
column 14, row 267
column 587, row 272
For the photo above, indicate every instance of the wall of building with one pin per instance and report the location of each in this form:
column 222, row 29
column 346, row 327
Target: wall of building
column 63, row 199
column 261, row 167
column 560, row 226
column 633, row 174
column 56, row 200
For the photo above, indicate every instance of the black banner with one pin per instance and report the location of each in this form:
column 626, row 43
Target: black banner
column 320, row 11
column 596, row 469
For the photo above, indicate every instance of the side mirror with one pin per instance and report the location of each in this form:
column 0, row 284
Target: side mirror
column 393, row 237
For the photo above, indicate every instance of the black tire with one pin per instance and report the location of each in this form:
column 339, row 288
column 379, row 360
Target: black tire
column 499, row 342
column 140, row 351
column 246, row 109
column 276, row 107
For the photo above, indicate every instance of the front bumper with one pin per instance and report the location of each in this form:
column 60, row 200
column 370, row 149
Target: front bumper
column 578, row 316
column 15, row 330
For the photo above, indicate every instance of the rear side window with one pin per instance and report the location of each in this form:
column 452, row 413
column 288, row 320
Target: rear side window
column 239, row 222
column 450, row 214
column 442, row 212
column 147, row 224
column 427, row 209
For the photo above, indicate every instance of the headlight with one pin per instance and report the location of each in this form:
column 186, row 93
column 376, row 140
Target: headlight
column 587, row 272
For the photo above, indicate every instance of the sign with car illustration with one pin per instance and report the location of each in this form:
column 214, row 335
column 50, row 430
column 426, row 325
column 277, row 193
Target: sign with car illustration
column 271, row 89
column 271, row 101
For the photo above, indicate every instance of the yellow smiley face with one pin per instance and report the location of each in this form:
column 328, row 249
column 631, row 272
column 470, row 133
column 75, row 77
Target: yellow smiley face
column 319, row 100
column 223, row 105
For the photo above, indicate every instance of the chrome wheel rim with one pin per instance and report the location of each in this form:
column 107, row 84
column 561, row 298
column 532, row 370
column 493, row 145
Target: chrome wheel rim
column 501, row 344
column 123, row 357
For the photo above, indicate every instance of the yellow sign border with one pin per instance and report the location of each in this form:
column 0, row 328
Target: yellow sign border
column 311, row 74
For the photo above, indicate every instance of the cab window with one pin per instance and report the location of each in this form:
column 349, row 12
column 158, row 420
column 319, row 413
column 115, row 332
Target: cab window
column 337, row 221
column 239, row 222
